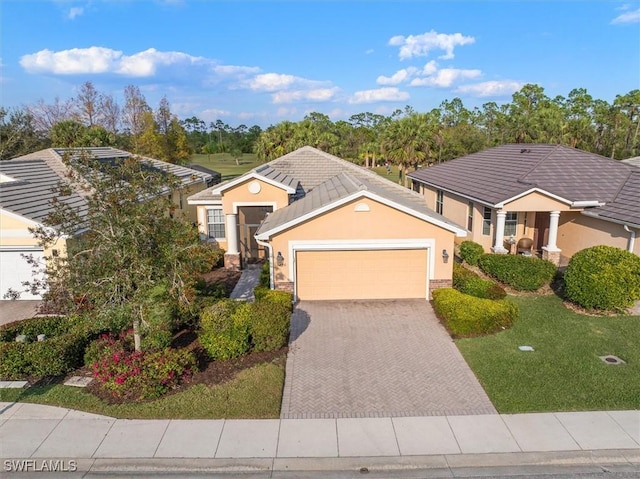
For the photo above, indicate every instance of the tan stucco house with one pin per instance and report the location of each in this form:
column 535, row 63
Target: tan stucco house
column 330, row 229
column 26, row 193
column 562, row 198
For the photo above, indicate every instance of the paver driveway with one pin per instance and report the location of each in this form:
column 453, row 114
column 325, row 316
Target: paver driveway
column 375, row 358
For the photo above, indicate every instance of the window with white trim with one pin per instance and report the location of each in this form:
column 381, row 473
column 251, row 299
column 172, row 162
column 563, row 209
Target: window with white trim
column 439, row 201
column 470, row 216
column 510, row 223
column 486, row 221
column 215, row 223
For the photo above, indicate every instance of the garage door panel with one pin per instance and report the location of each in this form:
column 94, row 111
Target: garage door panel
column 370, row 274
column 14, row 269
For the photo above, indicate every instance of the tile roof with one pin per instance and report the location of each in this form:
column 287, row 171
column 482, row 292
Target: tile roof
column 625, row 207
column 38, row 173
column 635, row 161
column 498, row 174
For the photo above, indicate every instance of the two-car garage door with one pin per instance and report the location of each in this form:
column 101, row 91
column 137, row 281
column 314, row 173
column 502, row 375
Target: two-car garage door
column 362, row 274
column 14, row 269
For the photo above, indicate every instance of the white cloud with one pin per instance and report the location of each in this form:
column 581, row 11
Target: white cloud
column 627, row 17
column 317, row 95
column 421, row 45
column 430, row 68
column 369, row 51
column 398, row 77
column 212, row 114
column 380, row 94
column 287, row 112
column 77, row 61
column 491, row 88
column 75, row 12
column 445, row 77
column 272, row 82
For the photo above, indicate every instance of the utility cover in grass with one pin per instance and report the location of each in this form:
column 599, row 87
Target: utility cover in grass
column 78, row 381
column 525, row 348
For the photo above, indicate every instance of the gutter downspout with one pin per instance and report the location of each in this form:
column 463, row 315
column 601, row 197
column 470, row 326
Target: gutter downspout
column 268, row 246
column 632, row 238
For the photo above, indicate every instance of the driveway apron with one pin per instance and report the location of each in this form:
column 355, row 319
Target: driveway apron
column 374, row 359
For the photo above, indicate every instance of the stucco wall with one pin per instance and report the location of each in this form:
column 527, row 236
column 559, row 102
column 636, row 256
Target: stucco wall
column 536, row 202
column 381, row 222
column 15, row 232
column 240, row 194
column 577, row 231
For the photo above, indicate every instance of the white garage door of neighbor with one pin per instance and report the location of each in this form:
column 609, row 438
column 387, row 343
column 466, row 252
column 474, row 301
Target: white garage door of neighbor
column 361, row 274
column 14, row 269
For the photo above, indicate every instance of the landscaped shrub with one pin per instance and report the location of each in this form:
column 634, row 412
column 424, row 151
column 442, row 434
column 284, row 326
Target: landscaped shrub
column 468, row 282
column 274, row 296
column 107, row 344
column 60, row 352
column 468, row 316
column 269, row 325
column 265, row 274
column 523, row 273
column 603, row 277
column 224, row 329
column 143, row 375
column 471, row 252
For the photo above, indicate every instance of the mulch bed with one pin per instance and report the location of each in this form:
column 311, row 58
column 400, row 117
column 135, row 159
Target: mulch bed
column 222, row 275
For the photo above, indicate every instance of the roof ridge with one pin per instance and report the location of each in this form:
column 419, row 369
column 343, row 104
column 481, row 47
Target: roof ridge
column 353, row 180
column 522, row 178
column 623, row 184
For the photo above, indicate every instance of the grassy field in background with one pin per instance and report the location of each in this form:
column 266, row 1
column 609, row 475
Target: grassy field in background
column 225, row 164
column 255, row 393
column 564, row 373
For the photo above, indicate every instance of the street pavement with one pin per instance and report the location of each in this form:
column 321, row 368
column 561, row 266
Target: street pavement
column 436, row 446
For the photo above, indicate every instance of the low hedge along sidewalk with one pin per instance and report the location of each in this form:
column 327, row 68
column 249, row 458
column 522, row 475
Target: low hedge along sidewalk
column 468, row 316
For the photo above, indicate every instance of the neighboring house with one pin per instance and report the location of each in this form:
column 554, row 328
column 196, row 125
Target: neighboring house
column 214, row 176
column 562, row 198
column 331, row 229
column 26, row 193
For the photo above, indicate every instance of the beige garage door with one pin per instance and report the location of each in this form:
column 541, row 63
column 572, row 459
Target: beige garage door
column 377, row 274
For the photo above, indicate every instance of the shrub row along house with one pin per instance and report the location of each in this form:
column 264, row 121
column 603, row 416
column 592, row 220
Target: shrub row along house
column 562, row 198
column 28, row 187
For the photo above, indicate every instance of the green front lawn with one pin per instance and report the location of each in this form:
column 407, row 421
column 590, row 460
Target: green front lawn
column 225, row 164
column 564, row 372
column 254, row 393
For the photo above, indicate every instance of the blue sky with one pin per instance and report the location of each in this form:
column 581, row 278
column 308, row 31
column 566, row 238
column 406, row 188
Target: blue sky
column 261, row 62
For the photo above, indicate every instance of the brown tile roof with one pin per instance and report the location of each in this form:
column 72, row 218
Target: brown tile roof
column 498, row 174
column 625, row 207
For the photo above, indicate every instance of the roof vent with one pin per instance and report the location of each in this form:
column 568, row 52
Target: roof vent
column 525, row 150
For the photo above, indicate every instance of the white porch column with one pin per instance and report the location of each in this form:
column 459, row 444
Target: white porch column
column 554, row 217
column 232, row 233
column 498, row 247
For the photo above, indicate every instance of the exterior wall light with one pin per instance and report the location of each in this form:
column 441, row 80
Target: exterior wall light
column 280, row 259
column 445, row 256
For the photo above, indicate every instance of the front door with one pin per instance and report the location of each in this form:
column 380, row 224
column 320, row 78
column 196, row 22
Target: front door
column 249, row 220
column 541, row 230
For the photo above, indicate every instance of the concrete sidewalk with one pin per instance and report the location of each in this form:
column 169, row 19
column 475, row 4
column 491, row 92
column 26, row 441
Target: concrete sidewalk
column 36, row 432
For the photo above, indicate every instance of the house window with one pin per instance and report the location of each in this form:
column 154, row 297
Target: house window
column 470, row 216
column 215, row 223
column 416, row 187
column 510, row 223
column 486, row 221
column 439, row 201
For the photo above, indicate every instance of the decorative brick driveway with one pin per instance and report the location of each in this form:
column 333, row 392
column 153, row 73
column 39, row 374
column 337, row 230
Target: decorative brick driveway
column 375, row 358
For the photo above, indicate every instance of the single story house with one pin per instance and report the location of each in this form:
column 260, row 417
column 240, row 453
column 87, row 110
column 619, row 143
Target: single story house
column 562, row 198
column 26, row 194
column 330, row 229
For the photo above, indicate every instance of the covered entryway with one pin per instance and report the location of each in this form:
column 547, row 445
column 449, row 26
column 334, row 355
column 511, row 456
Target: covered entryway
column 249, row 220
column 16, row 269
column 362, row 274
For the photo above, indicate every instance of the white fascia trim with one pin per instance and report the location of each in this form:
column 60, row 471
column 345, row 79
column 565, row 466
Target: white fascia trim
column 361, row 245
column 16, row 234
column 535, row 190
column 591, row 214
column 587, row 204
column 255, row 176
column 361, row 194
column 457, row 193
column 18, row 249
column 16, row 216
column 204, row 202
column 237, row 204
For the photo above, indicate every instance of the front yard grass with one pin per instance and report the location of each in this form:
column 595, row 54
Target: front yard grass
column 564, row 373
column 254, row 393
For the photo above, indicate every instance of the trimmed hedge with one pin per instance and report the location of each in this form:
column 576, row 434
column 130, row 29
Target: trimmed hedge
column 468, row 316
column 603, row 277
column 269, row 325
column 48, row 325
column 468, row 282
column 522, row 273
column 224, row 329
column 470, row 252
column 265, row 274
column 274, row 296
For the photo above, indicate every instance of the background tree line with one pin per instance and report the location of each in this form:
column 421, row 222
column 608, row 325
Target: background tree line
column 406, row 138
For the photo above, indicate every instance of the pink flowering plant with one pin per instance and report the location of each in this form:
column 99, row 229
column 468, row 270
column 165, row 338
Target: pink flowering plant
column 137, row 375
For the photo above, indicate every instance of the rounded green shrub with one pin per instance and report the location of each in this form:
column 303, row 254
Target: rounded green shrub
column 274, row 296
column 470, row 252
column 265, row 274
column 523, row 273
column 468, row 316
column 603, row 277
column 468, row 282
column 224, row 329
column 269, row 325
